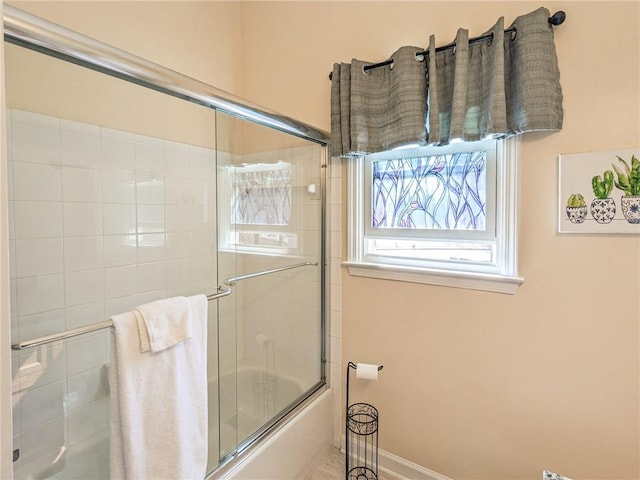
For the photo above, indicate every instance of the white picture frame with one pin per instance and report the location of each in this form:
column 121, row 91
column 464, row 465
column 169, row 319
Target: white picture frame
column 576, row 172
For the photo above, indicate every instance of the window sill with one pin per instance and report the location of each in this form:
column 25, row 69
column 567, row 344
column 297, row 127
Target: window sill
column 468, row 280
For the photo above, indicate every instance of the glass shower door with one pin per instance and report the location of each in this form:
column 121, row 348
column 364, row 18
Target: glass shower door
column 111, row 205
column 121, row 195
column 270, row 254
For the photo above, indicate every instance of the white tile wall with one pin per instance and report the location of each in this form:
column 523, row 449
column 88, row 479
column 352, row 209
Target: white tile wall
column 149, row 155
column 150, row 189
column 42, row 404
column 37, row 219
column 177, row 191
column 85, row 286
column 80, row 144
column 150, row 218
column 117, row 151
column 119, row 219
column 25, row 128
column 39, row 256
column 86, row 352
column 32, row 181
column 39, row 294
column 103, row 221
column 152, row 247
column 38, row 368
column 85, row 314
column 119, row 250
column 178, row 273
column 118, row 187
column 81, row 185
column 40, row 448
column 86, row 387
column 83, row 253
column 121, row 281
column 100, row 221
column 337, row 365
column 152, row 276
column 85, row 421
column 44, row 323
column 82, row 219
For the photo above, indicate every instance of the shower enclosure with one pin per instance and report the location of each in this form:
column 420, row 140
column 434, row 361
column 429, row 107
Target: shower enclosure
column 129, row 183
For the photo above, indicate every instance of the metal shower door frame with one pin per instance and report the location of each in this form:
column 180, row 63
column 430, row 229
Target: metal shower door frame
column 37, row 34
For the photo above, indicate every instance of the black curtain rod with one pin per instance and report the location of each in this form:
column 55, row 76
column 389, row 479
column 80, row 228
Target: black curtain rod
column 556, row 19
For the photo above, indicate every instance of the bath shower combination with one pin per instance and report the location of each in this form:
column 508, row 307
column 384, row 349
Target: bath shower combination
column 130, row 183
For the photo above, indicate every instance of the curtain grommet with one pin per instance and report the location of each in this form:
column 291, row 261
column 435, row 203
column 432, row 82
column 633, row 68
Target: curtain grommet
column 453, row 50
column 419, row 56
column 365, row 71
column 391, row 66
column 514, row 34
column 490, row 41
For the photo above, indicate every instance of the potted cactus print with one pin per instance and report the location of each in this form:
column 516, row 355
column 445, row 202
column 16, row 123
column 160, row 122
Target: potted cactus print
column 604, row 173
column 576, row 208
column 603, row 208
column 629, row 182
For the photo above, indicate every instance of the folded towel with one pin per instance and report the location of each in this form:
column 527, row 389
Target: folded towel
column 159, row 418
column 163, row 323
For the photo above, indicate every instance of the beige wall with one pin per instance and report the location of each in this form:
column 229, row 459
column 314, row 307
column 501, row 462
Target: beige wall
column 45, row 85
column 201, row 39
column 476, row 385
column 196, row 38
column 480, row 385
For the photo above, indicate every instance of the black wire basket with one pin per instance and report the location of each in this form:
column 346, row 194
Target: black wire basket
column 362, row 473
column 362, row 441
column 362, row 419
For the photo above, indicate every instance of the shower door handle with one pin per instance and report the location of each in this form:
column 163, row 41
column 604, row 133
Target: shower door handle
column 36, row 342
column 222, row 292
column 233, row 280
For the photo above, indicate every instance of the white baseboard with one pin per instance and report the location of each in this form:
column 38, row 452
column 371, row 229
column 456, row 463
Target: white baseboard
column 400, row 467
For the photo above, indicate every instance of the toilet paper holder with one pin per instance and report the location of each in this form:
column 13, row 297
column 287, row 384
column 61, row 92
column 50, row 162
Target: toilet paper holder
column 361, row 432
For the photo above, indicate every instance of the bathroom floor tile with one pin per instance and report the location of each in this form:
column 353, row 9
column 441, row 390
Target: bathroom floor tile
column 332, row 468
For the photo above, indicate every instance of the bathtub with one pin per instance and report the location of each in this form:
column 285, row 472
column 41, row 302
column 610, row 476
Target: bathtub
column 86, row 459
column 282, row 453
column 291, row 448
column 285, row 450
column 246, row 399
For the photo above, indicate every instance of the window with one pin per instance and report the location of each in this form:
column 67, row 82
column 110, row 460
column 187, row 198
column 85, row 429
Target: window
column 261, row 194
column 440, row 215
column 260, row 208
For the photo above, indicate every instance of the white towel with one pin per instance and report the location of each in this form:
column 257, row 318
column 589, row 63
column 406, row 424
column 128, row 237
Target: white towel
column 159, row 422
column 163, row 323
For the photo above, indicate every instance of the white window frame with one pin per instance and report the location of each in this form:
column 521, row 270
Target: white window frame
column 229, row 230
column 501, row 278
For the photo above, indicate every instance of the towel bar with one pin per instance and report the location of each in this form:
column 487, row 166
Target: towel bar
column 94, row 327
column 233, row 280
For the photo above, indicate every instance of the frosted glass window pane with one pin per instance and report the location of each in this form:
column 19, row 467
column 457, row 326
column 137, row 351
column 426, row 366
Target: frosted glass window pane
column 262, row 195
column 441, row 192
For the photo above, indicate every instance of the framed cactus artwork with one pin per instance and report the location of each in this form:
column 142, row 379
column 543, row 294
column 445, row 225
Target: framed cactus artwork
column 599, row 192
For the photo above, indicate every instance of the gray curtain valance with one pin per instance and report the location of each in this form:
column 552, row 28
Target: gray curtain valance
column 507, row 85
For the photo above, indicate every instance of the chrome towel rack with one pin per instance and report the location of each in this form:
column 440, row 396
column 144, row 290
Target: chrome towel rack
column 233, row 280
column 94, row 327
